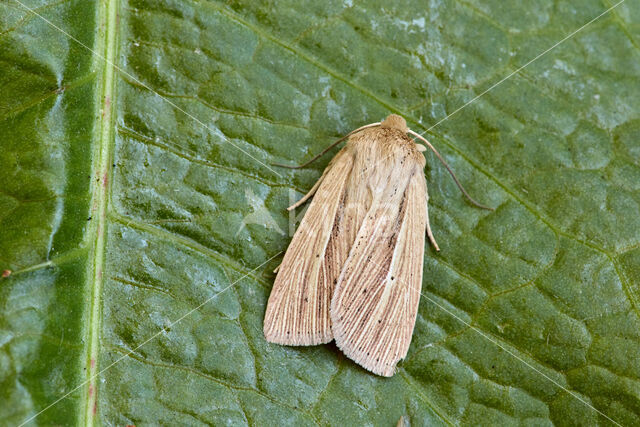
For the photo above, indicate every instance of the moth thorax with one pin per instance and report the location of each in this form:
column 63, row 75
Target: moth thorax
column 394, row 121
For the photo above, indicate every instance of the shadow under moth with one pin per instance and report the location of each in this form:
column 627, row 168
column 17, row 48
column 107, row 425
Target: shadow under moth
column 353, row 270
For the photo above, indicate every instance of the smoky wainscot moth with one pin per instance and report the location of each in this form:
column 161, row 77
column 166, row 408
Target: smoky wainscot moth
column 353, row 270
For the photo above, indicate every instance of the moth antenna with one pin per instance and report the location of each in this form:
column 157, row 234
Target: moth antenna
column 326, row 150
column 453, row 175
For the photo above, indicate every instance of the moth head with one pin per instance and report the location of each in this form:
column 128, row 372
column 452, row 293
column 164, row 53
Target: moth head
column 394, row 121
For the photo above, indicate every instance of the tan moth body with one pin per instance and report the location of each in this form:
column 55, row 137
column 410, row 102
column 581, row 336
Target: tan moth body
column 353, row 270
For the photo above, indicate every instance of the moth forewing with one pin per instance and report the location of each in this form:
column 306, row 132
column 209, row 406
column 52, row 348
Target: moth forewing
column 298, row 307
column 375, row 301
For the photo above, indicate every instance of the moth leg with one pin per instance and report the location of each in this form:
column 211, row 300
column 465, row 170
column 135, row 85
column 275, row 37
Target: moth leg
column 308, row 195
column 429, row 233
column 275, row 270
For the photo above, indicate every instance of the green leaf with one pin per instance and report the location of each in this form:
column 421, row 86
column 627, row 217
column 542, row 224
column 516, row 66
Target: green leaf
column 136, row 292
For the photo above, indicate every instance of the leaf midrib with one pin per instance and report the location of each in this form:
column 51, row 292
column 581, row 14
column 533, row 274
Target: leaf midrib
column 103, row 136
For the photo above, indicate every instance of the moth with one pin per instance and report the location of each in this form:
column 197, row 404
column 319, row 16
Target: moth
column 353, row 270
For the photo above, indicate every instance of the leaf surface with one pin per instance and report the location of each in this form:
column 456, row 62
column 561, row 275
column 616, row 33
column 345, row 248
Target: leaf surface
column 139, row 228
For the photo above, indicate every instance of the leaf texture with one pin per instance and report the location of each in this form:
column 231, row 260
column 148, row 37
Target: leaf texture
column 119, row 213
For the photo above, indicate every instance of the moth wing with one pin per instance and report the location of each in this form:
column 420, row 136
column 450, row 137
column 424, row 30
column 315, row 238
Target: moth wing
column 375, row 302
column 298, row 308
